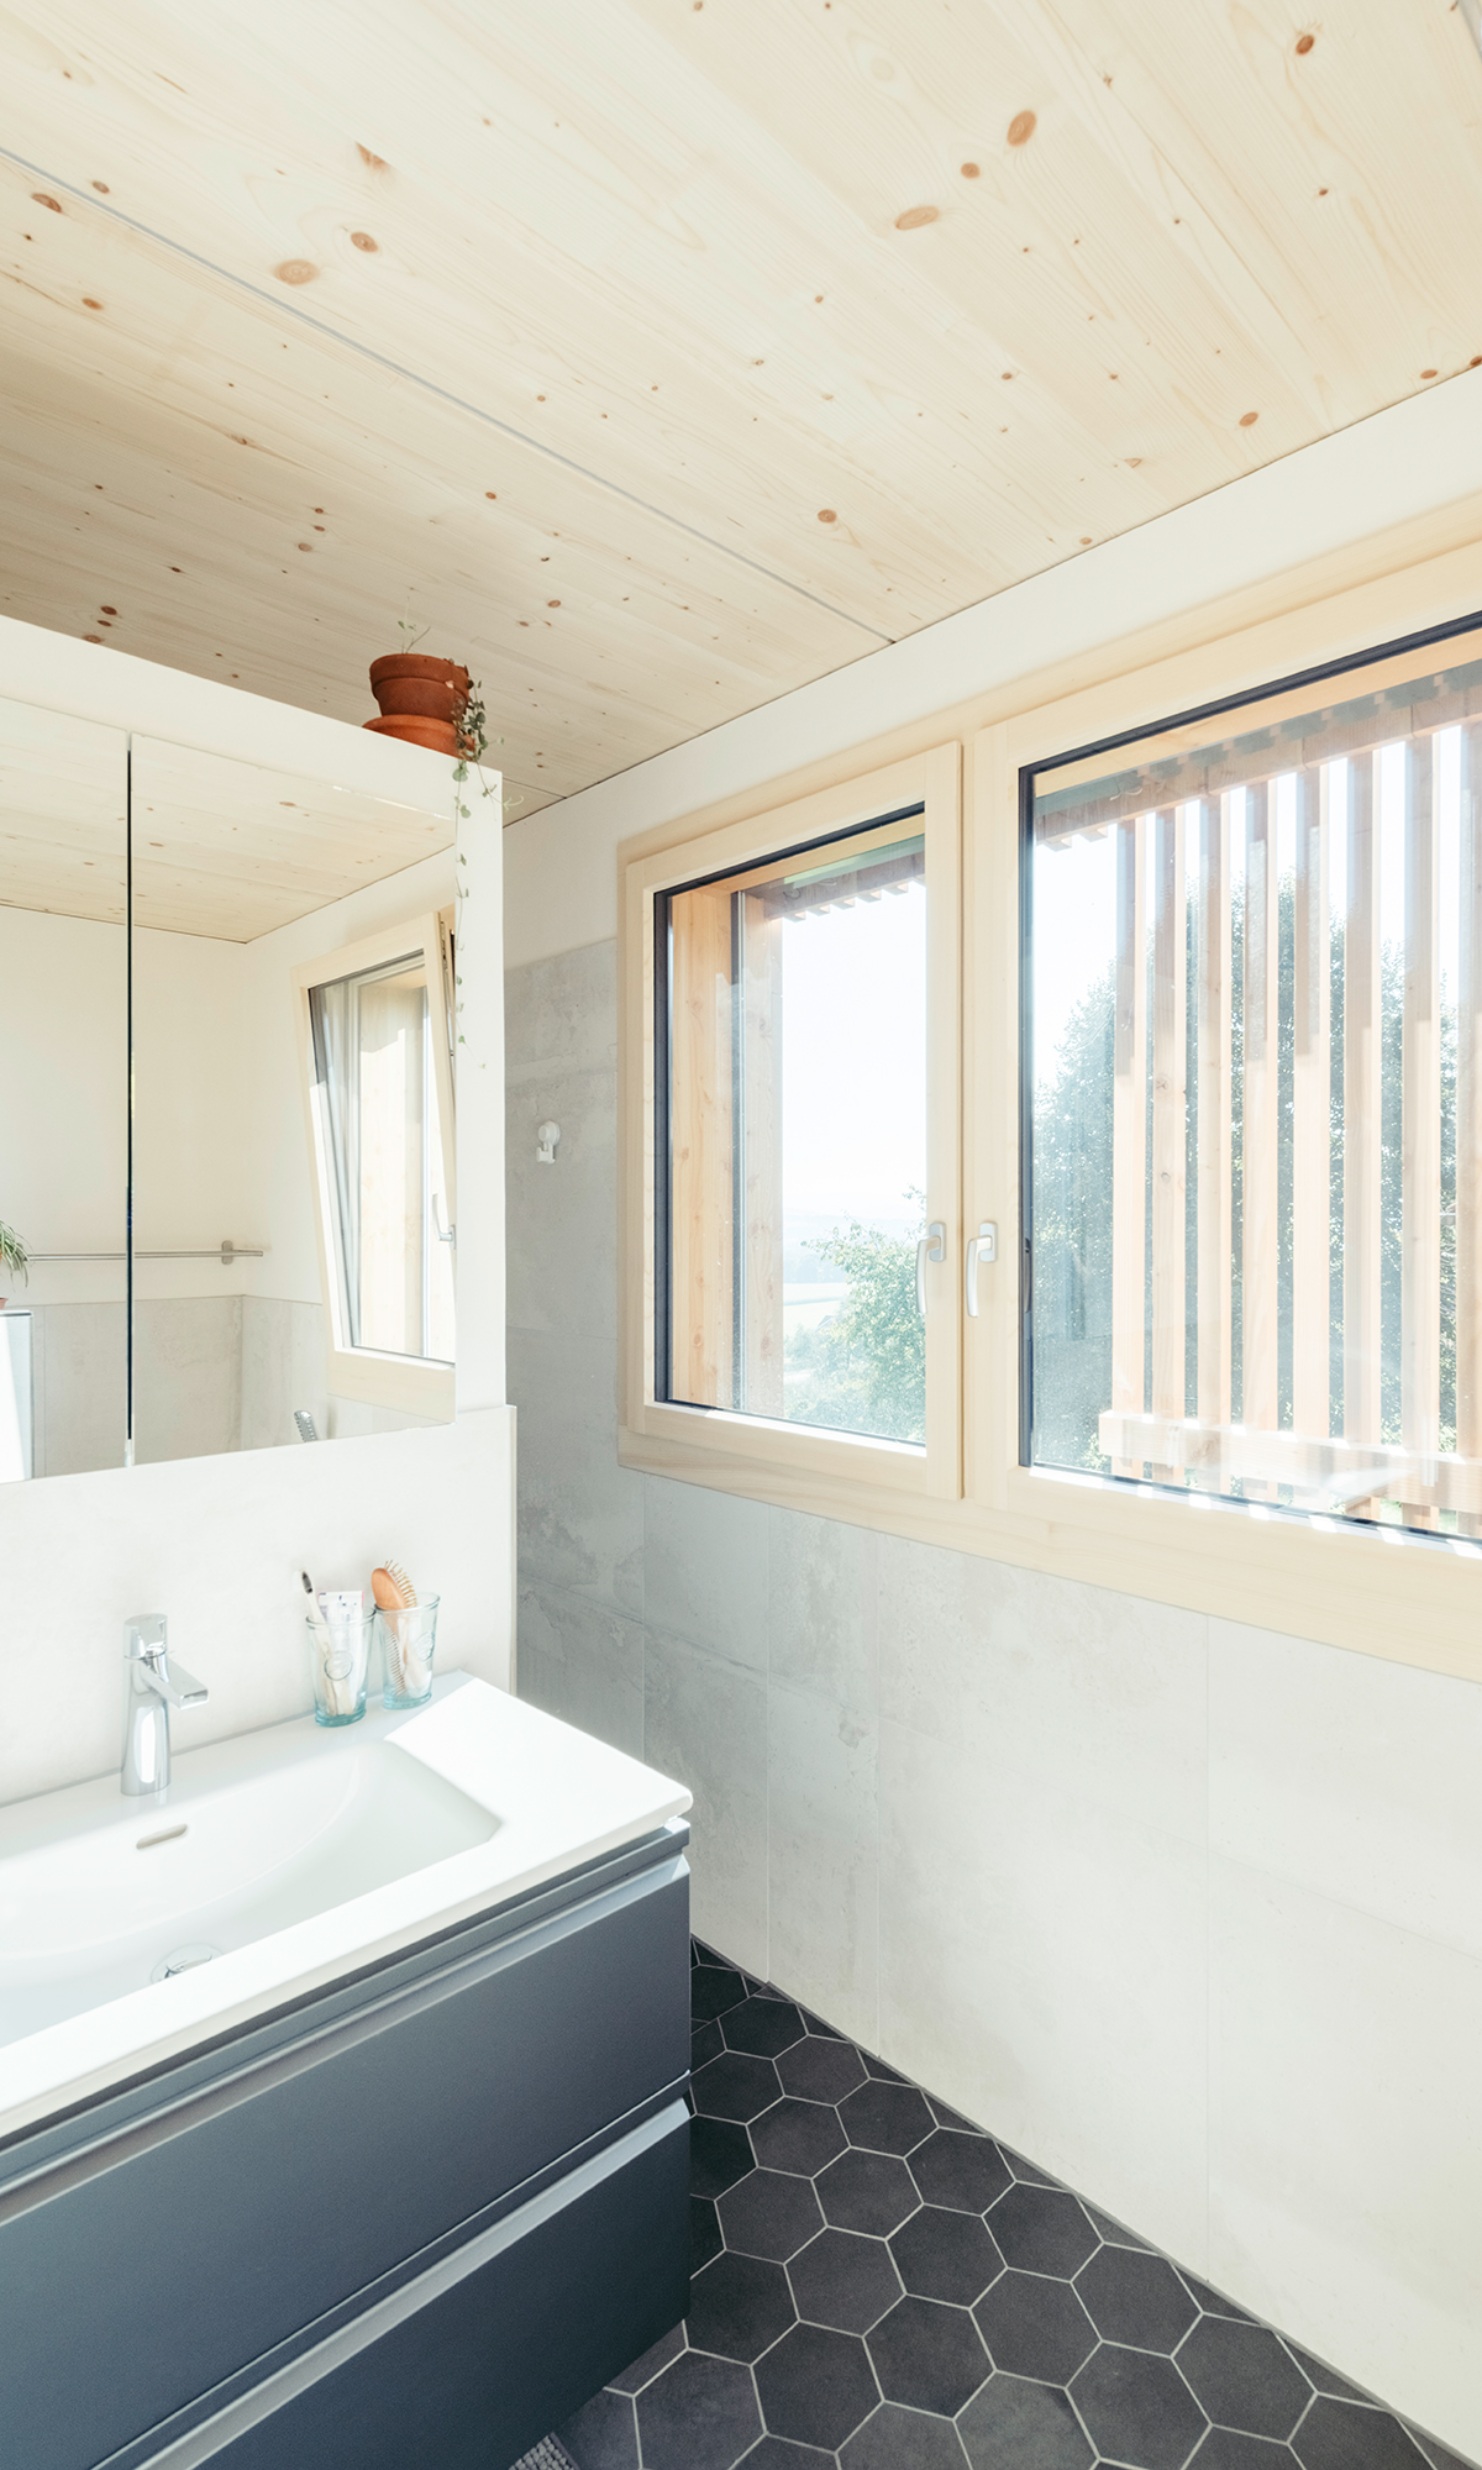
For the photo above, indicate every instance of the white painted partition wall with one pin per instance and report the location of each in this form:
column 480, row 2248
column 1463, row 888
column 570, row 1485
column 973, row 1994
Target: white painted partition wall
column 1189, row 1911
column 218, row 1542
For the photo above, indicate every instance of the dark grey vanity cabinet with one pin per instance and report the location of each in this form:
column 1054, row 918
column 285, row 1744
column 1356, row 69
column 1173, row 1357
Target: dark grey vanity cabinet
column 409, row 2224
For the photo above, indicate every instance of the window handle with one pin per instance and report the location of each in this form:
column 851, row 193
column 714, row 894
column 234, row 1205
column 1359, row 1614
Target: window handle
column 982, row 1249
column 932, row 1247
column 444, row 1234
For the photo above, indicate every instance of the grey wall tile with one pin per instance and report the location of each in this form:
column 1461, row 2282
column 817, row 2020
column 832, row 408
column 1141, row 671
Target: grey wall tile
column 1100, row 1694
column 823, row 1832
column 822, row 1601
column 580, row 1513
column 706, row 1723
column 581, row 1662
column 562, row 1011
column 1350, row 1776
column 562, row 1258
column 1043, row 1965
column 705, row 1568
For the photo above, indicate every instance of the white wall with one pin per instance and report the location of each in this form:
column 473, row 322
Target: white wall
column 1187, row 1911
column 217, row 1543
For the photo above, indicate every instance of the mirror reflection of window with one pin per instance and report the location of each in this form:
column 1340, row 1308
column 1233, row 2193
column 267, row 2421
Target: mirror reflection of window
column 375, row 1063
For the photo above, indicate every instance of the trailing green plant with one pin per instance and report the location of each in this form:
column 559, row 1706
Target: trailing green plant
column 472, row 724
column 13, row 1254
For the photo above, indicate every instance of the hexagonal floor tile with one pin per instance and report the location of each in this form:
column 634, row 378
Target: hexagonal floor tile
column 762, row 2026
column 720, row 2153
column 1035, row 2327
column 701, row 2414
column 816, row 2386
column 867, row 2191
column 1345, row 2435
column 1223, row 2449
column 739, row 2306
column 821, row 2070
column 714, row 1988
column 644, row 2369
column 603, row 2435
column 886, row 2118
column 1137, row 2298
column 775, row 2453
column 735, row 2086
column 1043, row 2230
column 965, row 2172
column 1033, row 2425
column 706, row 2042
column 1137, row 2409
column 945, row 2255
column 928, row 2356
column 896, row 2439
column 705, row 2238
column 798, row 2135
column 1243, row 2377
column 845, row 2281
column 769, row 2215
column 1322, row 2379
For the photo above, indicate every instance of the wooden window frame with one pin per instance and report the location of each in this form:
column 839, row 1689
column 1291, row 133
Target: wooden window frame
column 658, row 1431
column 403, row 1384
column 1401, row 1596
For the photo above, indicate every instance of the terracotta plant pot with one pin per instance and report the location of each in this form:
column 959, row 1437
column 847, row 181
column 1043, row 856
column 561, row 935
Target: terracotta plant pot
column 411, row 684
column 417, row 730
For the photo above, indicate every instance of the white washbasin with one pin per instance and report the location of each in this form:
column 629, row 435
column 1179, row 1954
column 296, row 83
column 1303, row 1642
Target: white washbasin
column 131, row 1928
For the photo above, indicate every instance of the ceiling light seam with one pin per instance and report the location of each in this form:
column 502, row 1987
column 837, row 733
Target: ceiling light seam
column 491, row 420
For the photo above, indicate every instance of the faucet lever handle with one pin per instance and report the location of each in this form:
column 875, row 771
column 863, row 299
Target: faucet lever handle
column 145, row 1635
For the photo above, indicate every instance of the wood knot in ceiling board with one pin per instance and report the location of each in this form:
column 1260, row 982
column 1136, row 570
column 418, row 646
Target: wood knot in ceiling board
column 916, row 217
column 372, row 162
column 102, row 187
column 91, row 304
column 39, row 197
column 826, row 514
column 1305, row 43
column 364, row 240
column 1248, row 419
column 1425, row 373
column 1022, row 127
column 296, row 270
column 972, row 171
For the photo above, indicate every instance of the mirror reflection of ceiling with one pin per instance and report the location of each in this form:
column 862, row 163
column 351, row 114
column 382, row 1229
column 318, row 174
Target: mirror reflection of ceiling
column 669, row 353
column 63, row 837
column 234, row 850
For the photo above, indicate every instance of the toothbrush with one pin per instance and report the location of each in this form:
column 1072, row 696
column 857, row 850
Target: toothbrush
column 325, row 1645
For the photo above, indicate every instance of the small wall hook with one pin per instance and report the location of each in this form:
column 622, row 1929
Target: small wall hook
column 546, row 1137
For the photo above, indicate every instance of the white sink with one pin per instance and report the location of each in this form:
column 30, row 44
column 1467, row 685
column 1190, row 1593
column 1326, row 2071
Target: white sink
column 131, row 1928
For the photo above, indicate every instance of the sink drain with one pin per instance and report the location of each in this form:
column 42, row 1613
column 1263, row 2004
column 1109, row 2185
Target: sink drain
column 183, row 1960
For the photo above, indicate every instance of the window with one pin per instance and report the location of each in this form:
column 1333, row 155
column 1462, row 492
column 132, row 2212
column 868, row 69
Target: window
column 1173, row 1068
column 380, row 1081
column 800, row 1205
column 1254, row 1095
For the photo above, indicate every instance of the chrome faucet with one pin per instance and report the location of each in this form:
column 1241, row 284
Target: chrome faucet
column 153, row 1690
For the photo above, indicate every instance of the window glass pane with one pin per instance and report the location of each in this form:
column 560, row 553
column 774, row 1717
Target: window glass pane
column 374, row 1062
column 795, row 1164
column 1255, row 985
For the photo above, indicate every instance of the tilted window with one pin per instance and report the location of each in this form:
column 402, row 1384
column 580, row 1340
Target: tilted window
column 379, row 1062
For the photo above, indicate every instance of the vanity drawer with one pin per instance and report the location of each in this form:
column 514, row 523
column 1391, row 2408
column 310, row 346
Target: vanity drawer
column 480, row 2364
column 169, row 2257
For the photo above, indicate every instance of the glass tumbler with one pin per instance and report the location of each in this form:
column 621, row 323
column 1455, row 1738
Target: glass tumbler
column 408, row 1639
column 339, row 1651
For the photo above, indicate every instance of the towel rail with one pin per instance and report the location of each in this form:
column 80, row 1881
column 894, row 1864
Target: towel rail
column 226, row 1252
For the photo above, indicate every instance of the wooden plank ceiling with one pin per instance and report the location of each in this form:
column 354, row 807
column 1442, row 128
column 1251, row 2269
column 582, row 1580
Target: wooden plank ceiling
column 665, row 354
